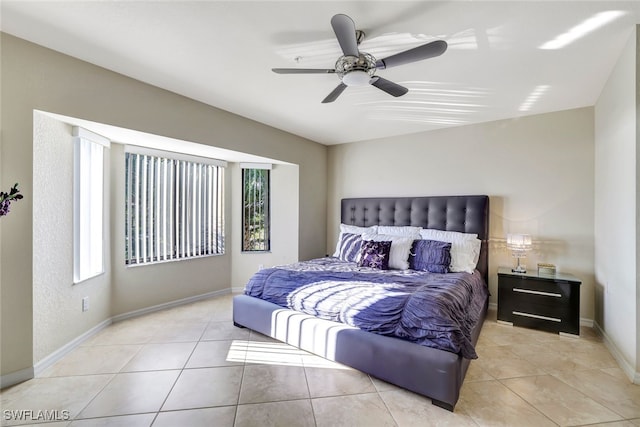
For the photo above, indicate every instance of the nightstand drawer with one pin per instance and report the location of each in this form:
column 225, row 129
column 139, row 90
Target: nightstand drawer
column 525, row 284
column 549, row 324
column 541, row 305
column 542, row 302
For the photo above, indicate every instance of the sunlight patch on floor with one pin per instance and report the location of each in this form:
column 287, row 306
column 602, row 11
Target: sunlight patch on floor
column 276, row 353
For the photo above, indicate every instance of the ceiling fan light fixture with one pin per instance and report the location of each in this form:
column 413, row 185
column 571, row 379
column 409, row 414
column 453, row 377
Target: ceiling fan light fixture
column 356, row 78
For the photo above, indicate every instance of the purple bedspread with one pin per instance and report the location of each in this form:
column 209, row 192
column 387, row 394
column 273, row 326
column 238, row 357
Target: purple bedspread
column 434, row 310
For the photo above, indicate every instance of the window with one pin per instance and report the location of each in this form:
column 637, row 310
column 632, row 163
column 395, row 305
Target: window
column 256, row 236
column 88, row 204
column 174, row 206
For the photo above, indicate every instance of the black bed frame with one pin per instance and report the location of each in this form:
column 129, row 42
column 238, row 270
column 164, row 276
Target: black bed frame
column 434, row 373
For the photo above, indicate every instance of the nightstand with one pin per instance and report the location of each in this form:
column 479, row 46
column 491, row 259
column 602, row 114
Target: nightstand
column 547, row 302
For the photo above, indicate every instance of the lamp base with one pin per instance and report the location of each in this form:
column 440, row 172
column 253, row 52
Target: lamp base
column 520, row 268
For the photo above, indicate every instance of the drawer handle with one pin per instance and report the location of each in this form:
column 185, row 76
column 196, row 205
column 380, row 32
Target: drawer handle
column 537, row 316
column 529, row 291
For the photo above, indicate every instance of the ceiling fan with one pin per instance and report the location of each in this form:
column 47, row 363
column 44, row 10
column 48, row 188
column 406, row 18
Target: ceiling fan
column 356, row 68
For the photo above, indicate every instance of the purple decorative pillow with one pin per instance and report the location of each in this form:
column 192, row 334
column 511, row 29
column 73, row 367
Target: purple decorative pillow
column 374, row 254
column 430, row 255
column 349, row 247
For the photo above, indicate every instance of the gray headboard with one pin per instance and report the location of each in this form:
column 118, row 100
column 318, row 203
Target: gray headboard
column 467, row 214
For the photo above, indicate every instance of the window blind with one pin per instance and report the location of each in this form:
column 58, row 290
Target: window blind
column 174, row 209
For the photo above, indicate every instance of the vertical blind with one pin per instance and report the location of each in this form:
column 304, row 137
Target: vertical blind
column 174, row 209
column 255, row 210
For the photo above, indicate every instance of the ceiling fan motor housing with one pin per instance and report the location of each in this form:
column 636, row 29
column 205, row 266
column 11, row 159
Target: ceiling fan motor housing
column 356, row 70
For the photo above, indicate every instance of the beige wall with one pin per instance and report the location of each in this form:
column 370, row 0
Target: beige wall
column 537, row 170
column 35, row 78
column 616, row 211
column 284, row 223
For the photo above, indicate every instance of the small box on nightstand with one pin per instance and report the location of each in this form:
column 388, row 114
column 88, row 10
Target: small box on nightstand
column 546, row 269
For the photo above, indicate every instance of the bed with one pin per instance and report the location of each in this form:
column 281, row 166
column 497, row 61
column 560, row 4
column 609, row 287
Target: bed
column 421, row 367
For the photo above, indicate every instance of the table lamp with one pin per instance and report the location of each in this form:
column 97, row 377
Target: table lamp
column 519, row 245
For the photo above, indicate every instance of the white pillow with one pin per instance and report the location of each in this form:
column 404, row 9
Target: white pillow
column 353, row 229
column 465, row 247
column 400, row 230
column 400, row 248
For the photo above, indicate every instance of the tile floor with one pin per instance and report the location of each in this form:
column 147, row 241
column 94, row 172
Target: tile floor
column 189, row 366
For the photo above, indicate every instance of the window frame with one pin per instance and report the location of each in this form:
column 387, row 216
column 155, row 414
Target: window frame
column 88, row 204
column 180, row 232
column 245, row 167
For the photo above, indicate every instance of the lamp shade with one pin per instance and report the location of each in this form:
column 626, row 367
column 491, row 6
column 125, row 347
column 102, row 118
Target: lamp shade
column 519, row 241
column 519, row 244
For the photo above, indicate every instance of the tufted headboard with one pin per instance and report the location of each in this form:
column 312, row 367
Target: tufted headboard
column 467, row 214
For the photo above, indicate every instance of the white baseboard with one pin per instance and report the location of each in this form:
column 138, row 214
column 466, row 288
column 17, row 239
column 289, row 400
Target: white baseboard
column 31, row 372
column 169, row 304
column 237, row 289
column 17, row 377
column 626, row 367
column 586, row 322
column 66, row 349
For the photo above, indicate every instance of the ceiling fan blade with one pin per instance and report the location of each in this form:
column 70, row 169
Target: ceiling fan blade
column 303, row 70
column 388, row 86
column 419, row 53
column 345, row 31
column 335, row 93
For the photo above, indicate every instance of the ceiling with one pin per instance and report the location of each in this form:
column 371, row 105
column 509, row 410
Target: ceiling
column 505, row 58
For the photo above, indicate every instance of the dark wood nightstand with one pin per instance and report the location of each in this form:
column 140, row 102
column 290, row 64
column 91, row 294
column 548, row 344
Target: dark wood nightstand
column 547, row 302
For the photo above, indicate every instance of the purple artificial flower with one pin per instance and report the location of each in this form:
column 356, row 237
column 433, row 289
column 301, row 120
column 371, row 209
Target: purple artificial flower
column 7, row 198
